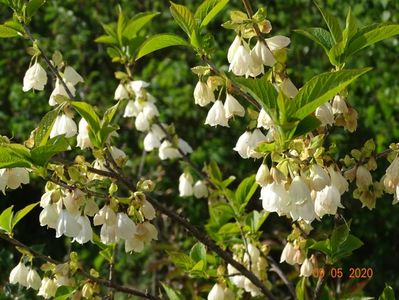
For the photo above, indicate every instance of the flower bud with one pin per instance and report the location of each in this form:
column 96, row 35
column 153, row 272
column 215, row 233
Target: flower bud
column 185, row 185
column 262, row 175
column 83, row 138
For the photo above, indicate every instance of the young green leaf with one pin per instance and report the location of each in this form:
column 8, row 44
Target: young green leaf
column 22, row 213
column 208, row 10
column 87, row 112
column 318, row 35
column 46, row 124
column 6, row 219
column 12, row 158
column 183, row 17
column 33, row 6
column 387, row 294
column 198, row 252
column 255, row 219
column 332, row 24
column 7, row 32
column 42, row 154
column 244, row 192
column 135, row 24
column 160, row 41
column 321, row 88
column 172, row 293
column 308, row 124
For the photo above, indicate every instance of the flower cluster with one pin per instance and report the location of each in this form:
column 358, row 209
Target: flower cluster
column 25, row 276
column 293, row 255
column 187, row 188
column 12, row 178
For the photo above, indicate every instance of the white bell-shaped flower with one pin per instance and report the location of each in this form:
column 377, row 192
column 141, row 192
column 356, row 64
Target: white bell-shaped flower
column 200, row 190
column 142, row 123
column 306, row 268
column 168, row 151
column 288, row 254
column 262, row 175
column 83, row 138
column 67, row 225
column 125, row 227
column 233, row 48
column 49, row 216
column 148, row 210
column 256, row 138
column 278, row 42
column 216, row 115
column 91, row 207
column 108, row 234
column 145, row 233
column 35, row 78
column 105, row 215
column 318, row 177
column 338, row 180
column 391, row 178
column 150, row 110
column 121, row 92
column 327, row 201
column 48, row 288
column 299, row 191
column 275, row 198
column 242, row 59
column 263, row 54
column 242, row 145
column 118, row 155
column 151, row 141
column 71, row 76
column 131, row 110
column 59, row 89
column 264, row 120
column 203, row 94
column 232, row 107
column 325, row 114
column 363, row 177
column 339, row 105
column 33, row 279
column 138, row 87
column 288, row 88
column 64, row 125
column 185, row 185
column 184, row 147
column 255, row 67
column 19, row 274
column 13, row 178
column 86, row 232
column 216, row 293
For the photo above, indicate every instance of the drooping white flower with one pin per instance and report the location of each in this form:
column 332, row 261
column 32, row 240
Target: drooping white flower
column 232, row 107
column 117, row 155
column 125, row 227
column 184, row 146
column 237, row 280
column 288, row 254
column 203, row 94
column 105, row 215
column 302, row 206
column 71, row 76
column 253, row 253
column 363, row 177
column 256, row 138
column 33, row 279
column 73, row 201
column 216, row 293
column 19, row 274
column 200, row 190
column 391, row 178
column 142, row 123
column 318, row 177
column 264, row 120
column 108, row 234
column 299, row 257
column 13, row 178
column 59, row 89
column 131, row 110
column 338, row 180
column 288, row 88
column 150, row 110
column 145, row 233
column 48, row 288
column 306, row 268
column 147, row 210
column 49, row 216
column 262, row 175
column 35, row 78
column 216, row 115
column 277, row 42
column 325, row 114
column 121, row 92
column 275, row 198
column 185, row 185
column 241, row 60
column 168, row 151
column 64, row 125
column 138, row 87
column 67, row 225
column 86, row 232
column 83, row 135
column 91, row 207
column 339, row 105
column 327, row 201
column 262, row 54
column 233, row 48
column 255, row 68
column 242, row 145
column 151, row 141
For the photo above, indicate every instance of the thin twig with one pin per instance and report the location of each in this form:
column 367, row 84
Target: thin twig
column 275, row 268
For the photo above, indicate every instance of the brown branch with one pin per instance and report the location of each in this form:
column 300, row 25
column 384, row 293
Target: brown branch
column 80, row 271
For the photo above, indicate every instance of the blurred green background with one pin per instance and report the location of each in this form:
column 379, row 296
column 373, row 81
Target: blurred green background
column 71, row 27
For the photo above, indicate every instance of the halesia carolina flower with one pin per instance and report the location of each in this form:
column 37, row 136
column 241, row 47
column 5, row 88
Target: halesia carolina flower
column 125, row 227
column 233, row 48
column 142, row 123
column 167, row 151
column 138, row 87
column 237, row 280
column 150, row 110
column 48, row 288
column 145, row 233
column 86, row 232
column 67, row 225
column 83, row 135
column 59, row 89
column 275, row 198
column 185, row 185
column 288, row 254
column 327, row 201
column 318, row 177
column 147, row 210
column 105, row 215
column 264, row 120
column 263, row 54
column 64, row 125
column 19, row 274
column 262, row 175
column 118, row 155
column 13, row 178
column 306, row 268
column 71, row 76
column 277, row 42
column 302, row 206
column 255, row 67
column 151, row 141
column 108, row 234
column 203, row 94
column 338, row 180
column 216, row 115
column 49, row 216
column 339, row 105
column 232, row 107
column 391, row 179
column 256, row 138
column 91, row 207
column 35, row 78
column 243, row 144
column 363, row 177
column 130, row 110
column 216, row 293
column 242, row 59
column 325, row 114
column 288, row 88
column 184, row 147
column 121, row 92
column 33, row 279
column 200, row 190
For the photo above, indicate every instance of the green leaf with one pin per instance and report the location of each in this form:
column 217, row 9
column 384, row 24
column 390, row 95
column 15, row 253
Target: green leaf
column 44, row 128
column 183, row 17
column 306, row 125
column 64, row 293
column 42, row 154
column 120, row 26
column 181, row 260
column 172, row 293
column 229, row 229
column 323, row 246
column 300, row 289
column 214, row 172
column 6, row 219
column 318, row 35
column 208, row 10
column 322, row 88
column 262, row 91
column 387, row 294
column 33, row 6
column 370, row 35
column 106, row 39
column 110, row 114
column 160, row 41
column 256, row 219
column 14, row 155
column 198, row 252
column 7, row 32
column 332, row 24
column 339, row 236
column 135, row 24
column 87, row 112
column 244, row 192
column 22, row 213
column 351, row 26
column 348, row 246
